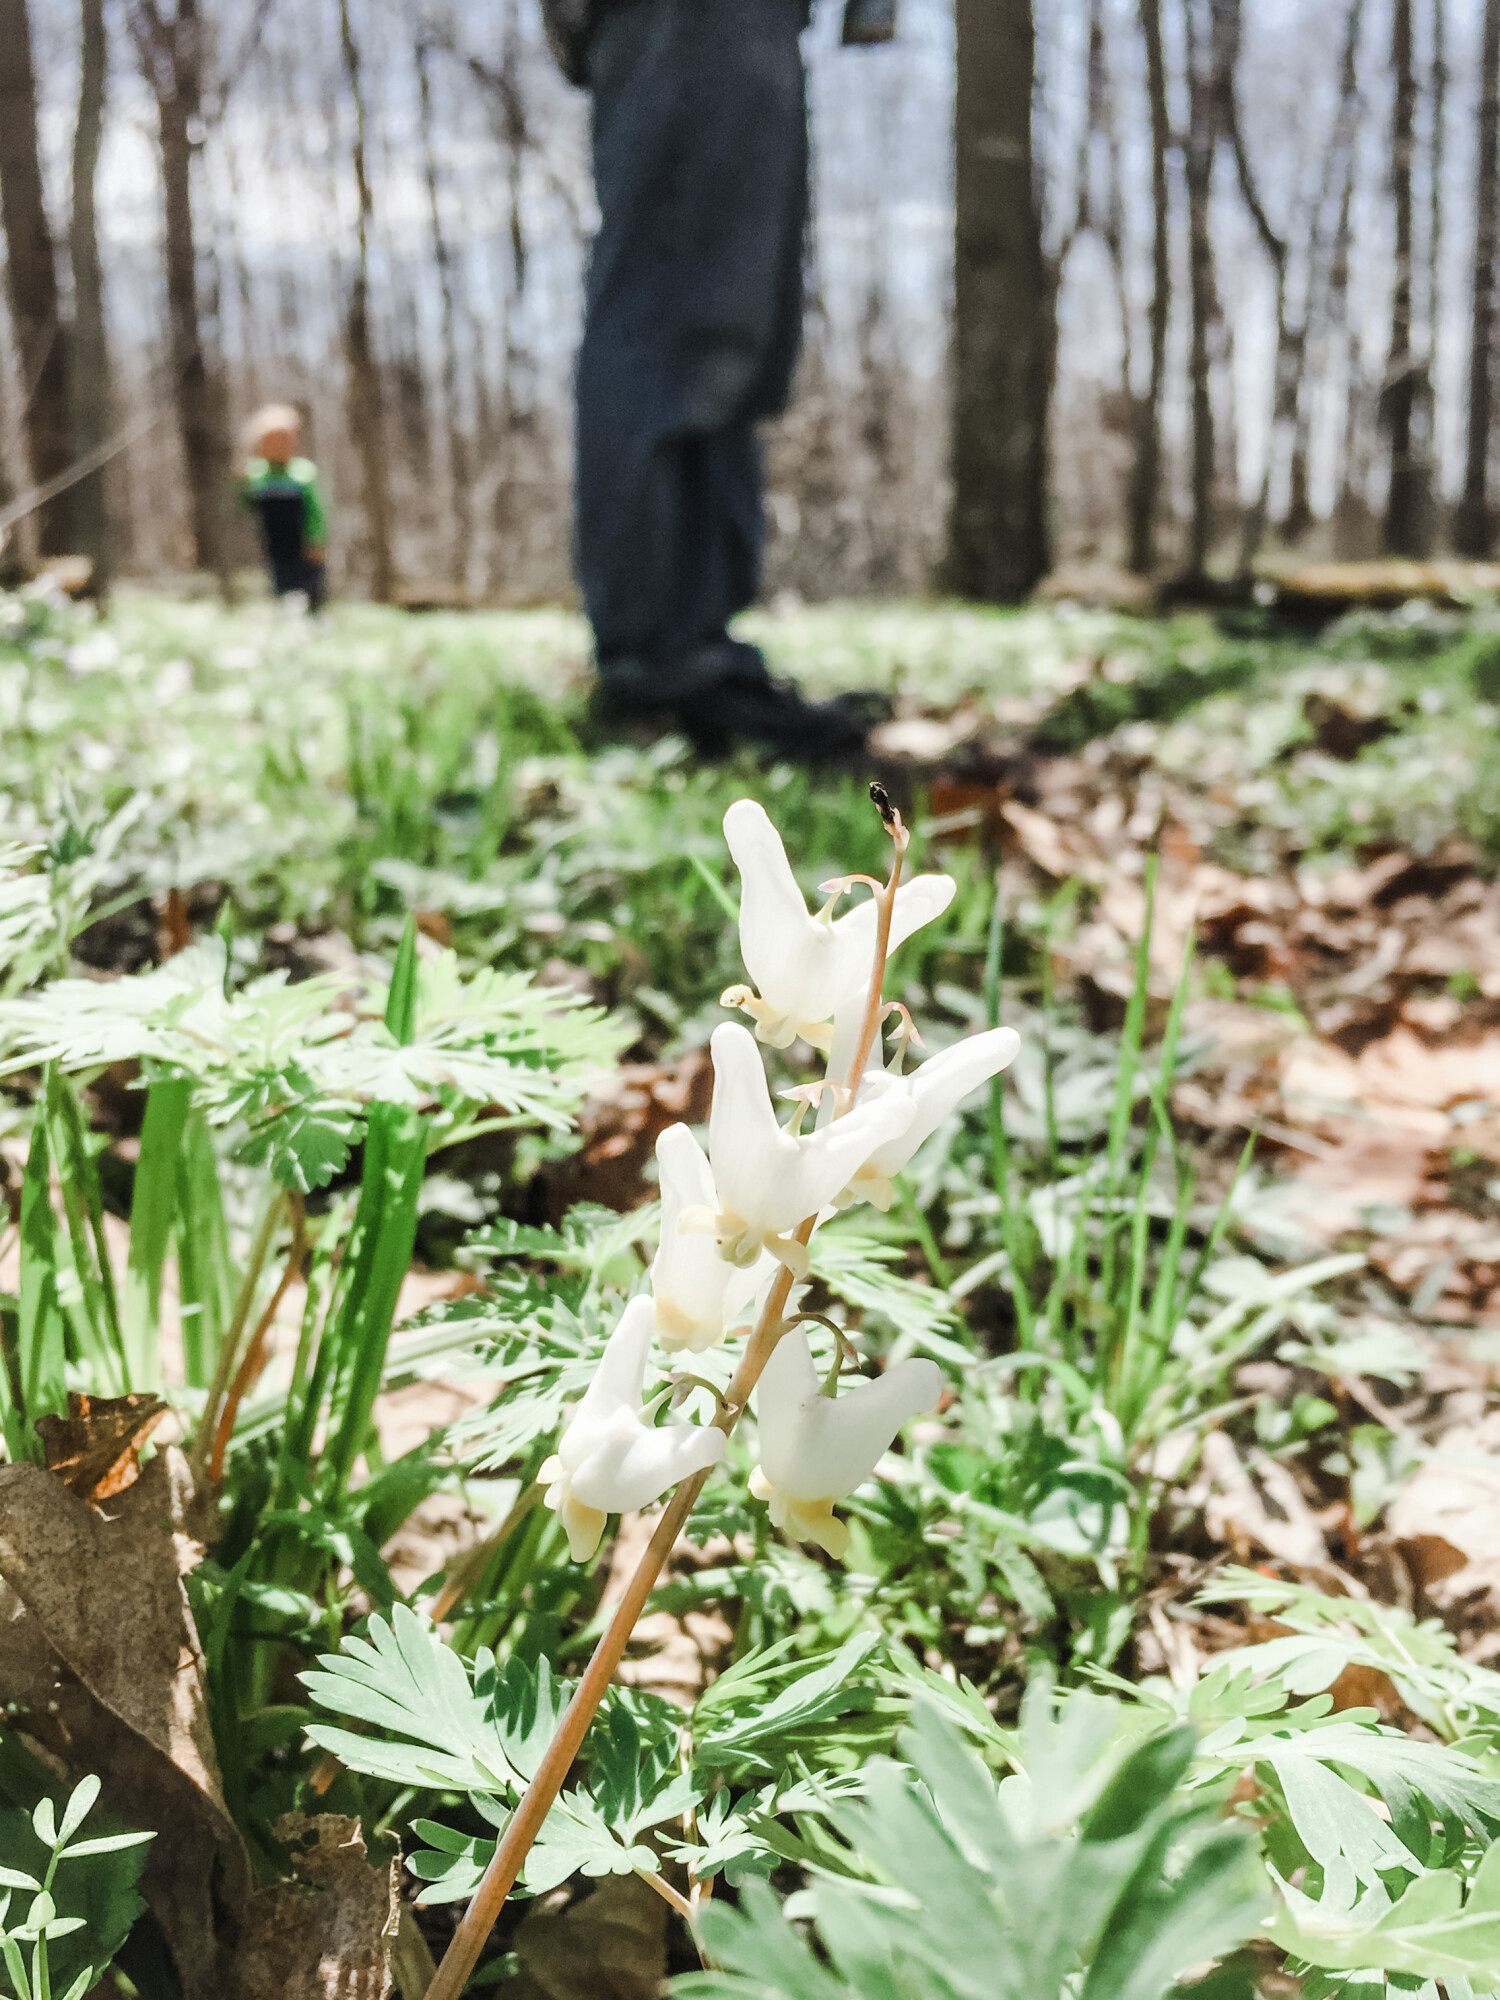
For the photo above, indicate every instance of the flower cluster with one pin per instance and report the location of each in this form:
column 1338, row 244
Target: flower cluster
column 736, row 1218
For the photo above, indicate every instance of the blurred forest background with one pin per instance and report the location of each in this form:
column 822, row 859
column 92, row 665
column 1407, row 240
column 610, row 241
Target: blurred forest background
column 1163, row 284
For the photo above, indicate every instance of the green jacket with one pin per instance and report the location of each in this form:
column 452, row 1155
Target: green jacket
column 264, row 481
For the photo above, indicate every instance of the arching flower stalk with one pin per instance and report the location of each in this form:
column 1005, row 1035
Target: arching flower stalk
column 735, row 1227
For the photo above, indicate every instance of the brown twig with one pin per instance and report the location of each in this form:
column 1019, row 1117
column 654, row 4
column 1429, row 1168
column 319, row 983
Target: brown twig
column 526, row 1821
column 229, row 1346
column 470, row 1566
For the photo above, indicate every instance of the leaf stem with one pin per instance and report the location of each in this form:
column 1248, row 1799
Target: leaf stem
column 526, row 1821
column 668, row 1894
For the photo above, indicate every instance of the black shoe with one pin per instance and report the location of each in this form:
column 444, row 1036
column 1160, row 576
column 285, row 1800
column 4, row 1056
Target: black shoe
column 774, row 715
column 720, row 695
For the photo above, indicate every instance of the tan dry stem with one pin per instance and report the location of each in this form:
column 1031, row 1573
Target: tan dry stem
column 229, row 1346
column 526, row 1821
column 468, row 1568
column 258, row 1352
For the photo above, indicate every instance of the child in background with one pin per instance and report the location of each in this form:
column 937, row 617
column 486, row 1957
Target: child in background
column 282, row 489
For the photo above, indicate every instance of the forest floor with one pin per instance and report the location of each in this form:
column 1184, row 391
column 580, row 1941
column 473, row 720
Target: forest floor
column 1321, row 815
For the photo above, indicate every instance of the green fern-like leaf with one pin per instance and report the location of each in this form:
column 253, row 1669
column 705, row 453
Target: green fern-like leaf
column 975, row 1890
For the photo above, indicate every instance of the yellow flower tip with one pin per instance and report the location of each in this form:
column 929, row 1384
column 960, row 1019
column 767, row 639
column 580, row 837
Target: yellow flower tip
column 803, row 1520
column 787, row 1250
column 584, row 1526
column 815, row 1521
column 872, row 1186
column 773, row 1028
column 679, row 1333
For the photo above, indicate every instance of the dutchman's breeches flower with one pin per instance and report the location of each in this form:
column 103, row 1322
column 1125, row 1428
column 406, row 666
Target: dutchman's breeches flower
column 933, row 1091
column 699, row 1296
column 805, row 967
column 612, row 1459
column 768, row 1180
column 817, row 1448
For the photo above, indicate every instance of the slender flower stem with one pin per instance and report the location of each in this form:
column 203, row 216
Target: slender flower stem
column 869, row 1027
column 526, row 1821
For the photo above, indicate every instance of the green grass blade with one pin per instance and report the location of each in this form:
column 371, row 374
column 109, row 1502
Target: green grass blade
column 1131, row 1036
column 1125, row 1075
column 41, row 1337
column 153, row 1212
column 1215, row 1235
column 207, row 1278
column 1011, row 1233
column 87, row 1291
column 1130, row 1389
column 401, row 1002
column 379, row 1251
column 716, row 888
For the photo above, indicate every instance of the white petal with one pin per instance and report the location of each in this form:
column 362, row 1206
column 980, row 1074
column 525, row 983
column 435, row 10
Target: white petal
column 617, row 1382
column 942, row 1082
column 813, row 1447
column 918, row 902
column 636, row 1466
column 689, row 1279
column 767, row 1177
column 745, row 1144
column 833, row 1156
column 790, row 956
column 804, row 967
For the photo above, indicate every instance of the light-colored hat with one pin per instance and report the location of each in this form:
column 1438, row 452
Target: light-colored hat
column 270, row 417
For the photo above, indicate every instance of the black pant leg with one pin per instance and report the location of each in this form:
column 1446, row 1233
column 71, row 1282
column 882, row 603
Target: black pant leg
column 693, row 312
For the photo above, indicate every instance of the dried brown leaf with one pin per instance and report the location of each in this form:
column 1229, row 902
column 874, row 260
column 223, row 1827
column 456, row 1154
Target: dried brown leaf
column 101, row 1659
column 96, row 1448
column 610, row 1946
column 330, row 1933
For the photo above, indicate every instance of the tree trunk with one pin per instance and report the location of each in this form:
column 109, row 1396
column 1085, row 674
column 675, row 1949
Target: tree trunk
column 1436, row 158
column 1327, row 267
column 366, row 393
column 1473, row 527
column 41, row 337
column 1145, row 473
column 1003, row 313
column 90, row 396
column 172, row 59
column 1285, row 367
column 460, row 475
column 1405, row 507
column 1199, row 168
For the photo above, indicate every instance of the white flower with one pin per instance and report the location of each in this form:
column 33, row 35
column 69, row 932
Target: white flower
column 942, row 1082
column 699, row 1296
column 815, row 1449
column 804, row 966
column 768, row 1180
column 611, row 1459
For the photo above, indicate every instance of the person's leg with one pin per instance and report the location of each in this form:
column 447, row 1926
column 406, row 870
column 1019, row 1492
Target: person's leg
column 723, row 530
column 692, row 317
